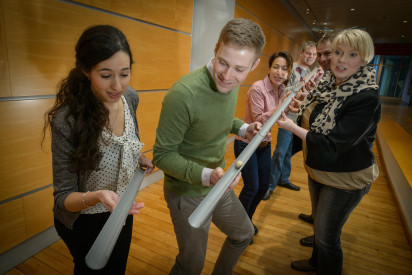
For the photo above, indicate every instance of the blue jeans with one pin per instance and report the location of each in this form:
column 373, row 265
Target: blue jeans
column 331, row 208
column 281, row 165
column 255, row 174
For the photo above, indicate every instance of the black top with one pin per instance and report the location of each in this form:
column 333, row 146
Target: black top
column 348, row 146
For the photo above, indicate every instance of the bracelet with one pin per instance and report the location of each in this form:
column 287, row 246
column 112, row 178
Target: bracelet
column 84, row 202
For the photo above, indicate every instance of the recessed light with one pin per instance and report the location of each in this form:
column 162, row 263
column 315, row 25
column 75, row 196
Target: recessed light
column 404, row 21
column 403, row 36
column 352, row 9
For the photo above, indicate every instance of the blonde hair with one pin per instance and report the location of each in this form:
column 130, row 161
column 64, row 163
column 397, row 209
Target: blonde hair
column 359, row 40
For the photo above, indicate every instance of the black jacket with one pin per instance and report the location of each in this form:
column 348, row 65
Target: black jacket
column 348, row 146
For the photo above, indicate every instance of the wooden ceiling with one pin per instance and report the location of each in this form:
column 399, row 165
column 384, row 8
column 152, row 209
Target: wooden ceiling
column 384, row 20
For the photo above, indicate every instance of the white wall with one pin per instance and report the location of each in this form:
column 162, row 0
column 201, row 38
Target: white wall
column 209, row 17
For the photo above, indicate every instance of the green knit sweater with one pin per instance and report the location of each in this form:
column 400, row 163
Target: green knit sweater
column 194, row 123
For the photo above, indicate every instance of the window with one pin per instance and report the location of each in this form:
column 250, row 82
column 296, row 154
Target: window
column 391, row 71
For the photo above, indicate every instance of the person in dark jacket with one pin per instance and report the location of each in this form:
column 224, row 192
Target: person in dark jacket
column 336, row 128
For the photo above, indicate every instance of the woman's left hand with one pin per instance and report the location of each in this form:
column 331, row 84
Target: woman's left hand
column 146, row 162
column 311, row 84
column 285, row 122
column 135, row 208
column 294, row 105
column 318, row 75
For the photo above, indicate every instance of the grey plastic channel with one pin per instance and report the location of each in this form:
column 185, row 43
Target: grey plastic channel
column 102, row 248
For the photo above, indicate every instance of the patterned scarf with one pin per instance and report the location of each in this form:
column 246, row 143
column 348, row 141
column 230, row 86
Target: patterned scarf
column 327, row 92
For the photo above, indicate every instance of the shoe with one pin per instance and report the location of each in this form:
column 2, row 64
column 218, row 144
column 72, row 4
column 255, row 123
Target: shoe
column 251, row 241
column 303, row 265
column 256, row 230
column 290, row 186
column 307, row 241
column 306, row 218
column 267, row 195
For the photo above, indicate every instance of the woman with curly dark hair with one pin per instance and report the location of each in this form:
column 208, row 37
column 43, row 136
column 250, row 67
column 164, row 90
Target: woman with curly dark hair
column 95, row 145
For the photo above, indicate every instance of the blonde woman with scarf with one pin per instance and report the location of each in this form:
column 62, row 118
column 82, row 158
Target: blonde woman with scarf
column 336, row 128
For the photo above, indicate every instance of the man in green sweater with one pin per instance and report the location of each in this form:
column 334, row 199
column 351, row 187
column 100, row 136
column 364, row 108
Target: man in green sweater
column 197, row 116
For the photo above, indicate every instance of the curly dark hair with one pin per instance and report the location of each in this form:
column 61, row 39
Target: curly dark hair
column 88, row 116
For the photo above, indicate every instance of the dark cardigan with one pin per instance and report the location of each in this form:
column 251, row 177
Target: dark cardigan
column 348, row 146
column 64, row 181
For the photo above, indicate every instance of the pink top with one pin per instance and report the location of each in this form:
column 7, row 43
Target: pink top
column 261, row 100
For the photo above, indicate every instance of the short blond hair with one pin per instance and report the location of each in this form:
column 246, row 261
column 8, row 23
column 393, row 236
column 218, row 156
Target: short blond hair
column 243, row 33
column 359, row 40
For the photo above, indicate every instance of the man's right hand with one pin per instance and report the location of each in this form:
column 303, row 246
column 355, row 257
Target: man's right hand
column 218, row 173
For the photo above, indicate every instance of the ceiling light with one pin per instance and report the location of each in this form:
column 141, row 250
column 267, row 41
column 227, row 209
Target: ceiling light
column 352, row 9
column 404, row 21
column 403, row 36
column 307, row 11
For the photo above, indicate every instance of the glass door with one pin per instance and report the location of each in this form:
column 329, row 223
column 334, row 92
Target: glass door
column 391, row 71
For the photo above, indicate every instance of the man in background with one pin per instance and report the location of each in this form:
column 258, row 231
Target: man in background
column 324, row 54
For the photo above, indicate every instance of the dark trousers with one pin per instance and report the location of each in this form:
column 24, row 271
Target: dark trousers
column 256, row 176
column 85, row 231
column 331, row 208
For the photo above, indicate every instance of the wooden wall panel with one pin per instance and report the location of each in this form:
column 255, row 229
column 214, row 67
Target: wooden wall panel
column 161, row 56
column 275, row 40
column 38, row 211
column 148, row 113
column 4, row 66
column 41, row 36
column 259, row 73
column 276, row 15
column 241, row 102
column 172, row 14
column 12, row 229
column 23, row 164
column 273, row 37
